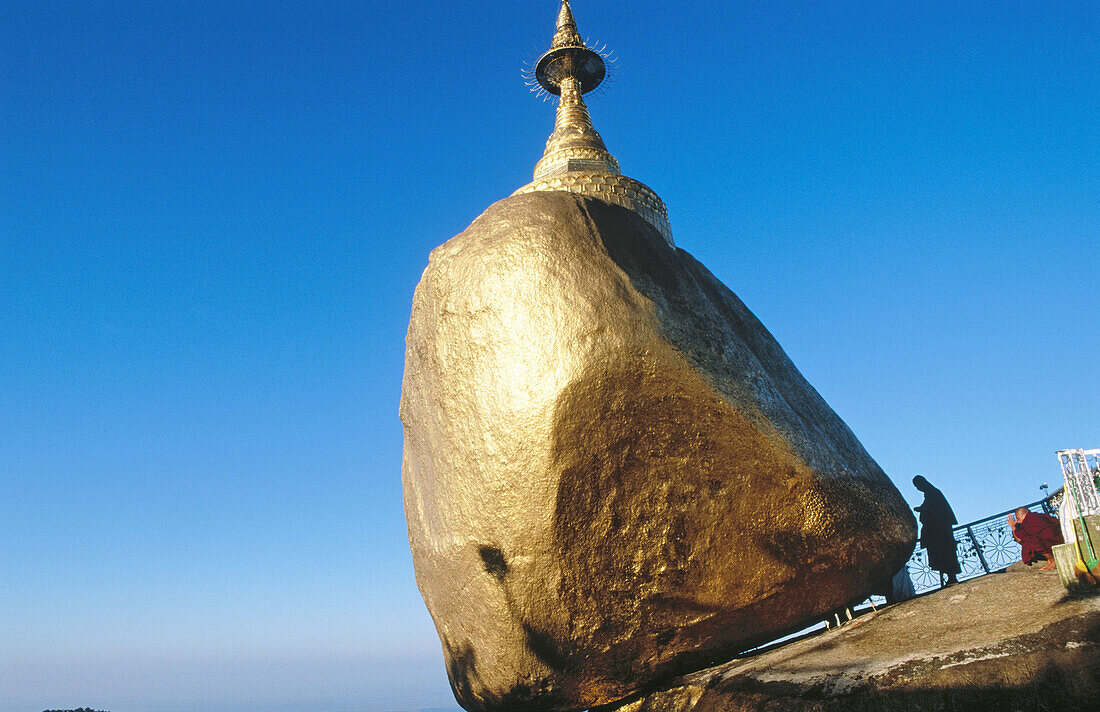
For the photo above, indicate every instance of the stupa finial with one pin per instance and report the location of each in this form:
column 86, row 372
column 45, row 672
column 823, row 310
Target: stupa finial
column 569, row 69
column 576, row 159
column 567, row 35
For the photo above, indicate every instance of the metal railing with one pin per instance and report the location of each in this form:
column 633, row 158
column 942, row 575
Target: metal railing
column 983, row 547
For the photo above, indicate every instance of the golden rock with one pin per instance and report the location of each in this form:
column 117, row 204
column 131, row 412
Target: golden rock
column 612, row 472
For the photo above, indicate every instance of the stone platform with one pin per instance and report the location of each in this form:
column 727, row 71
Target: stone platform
column 1010, row 642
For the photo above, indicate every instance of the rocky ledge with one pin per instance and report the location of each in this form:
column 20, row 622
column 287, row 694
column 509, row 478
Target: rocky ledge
column 1011, row 642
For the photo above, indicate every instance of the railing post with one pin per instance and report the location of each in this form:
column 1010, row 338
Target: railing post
column 977, row 547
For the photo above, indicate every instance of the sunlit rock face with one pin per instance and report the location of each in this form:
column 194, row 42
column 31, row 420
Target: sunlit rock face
column 612, row 472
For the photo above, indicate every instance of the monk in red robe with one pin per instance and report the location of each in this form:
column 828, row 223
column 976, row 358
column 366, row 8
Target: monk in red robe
column 1037, row 534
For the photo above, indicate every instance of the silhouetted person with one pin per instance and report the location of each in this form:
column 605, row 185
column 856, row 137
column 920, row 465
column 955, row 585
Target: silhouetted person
column 1037, row 534
column 936, row 519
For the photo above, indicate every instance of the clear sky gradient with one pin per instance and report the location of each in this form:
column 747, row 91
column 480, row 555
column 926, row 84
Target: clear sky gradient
column 214, row 215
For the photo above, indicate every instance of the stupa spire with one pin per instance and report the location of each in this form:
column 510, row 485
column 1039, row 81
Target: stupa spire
column 576, row 159
column 569, row 69
column 567, row 35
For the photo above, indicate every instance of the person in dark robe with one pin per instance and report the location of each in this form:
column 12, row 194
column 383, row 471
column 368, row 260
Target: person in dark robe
column 1037, row 534
column 936, row 519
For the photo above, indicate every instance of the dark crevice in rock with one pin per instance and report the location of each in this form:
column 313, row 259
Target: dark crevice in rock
column 493, row 559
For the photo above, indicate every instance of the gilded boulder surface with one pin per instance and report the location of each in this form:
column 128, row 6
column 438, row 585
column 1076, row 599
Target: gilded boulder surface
column 612, row 472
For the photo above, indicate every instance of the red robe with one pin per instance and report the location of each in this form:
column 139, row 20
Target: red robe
column 1037, row 534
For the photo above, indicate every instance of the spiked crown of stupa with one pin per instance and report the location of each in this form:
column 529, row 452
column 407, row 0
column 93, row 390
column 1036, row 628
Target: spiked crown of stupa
column 576, row 159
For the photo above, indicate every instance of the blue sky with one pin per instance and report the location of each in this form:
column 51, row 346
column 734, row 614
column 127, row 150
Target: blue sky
column 215, row 214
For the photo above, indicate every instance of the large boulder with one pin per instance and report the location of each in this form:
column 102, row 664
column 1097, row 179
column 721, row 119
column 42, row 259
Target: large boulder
column 612, row 472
